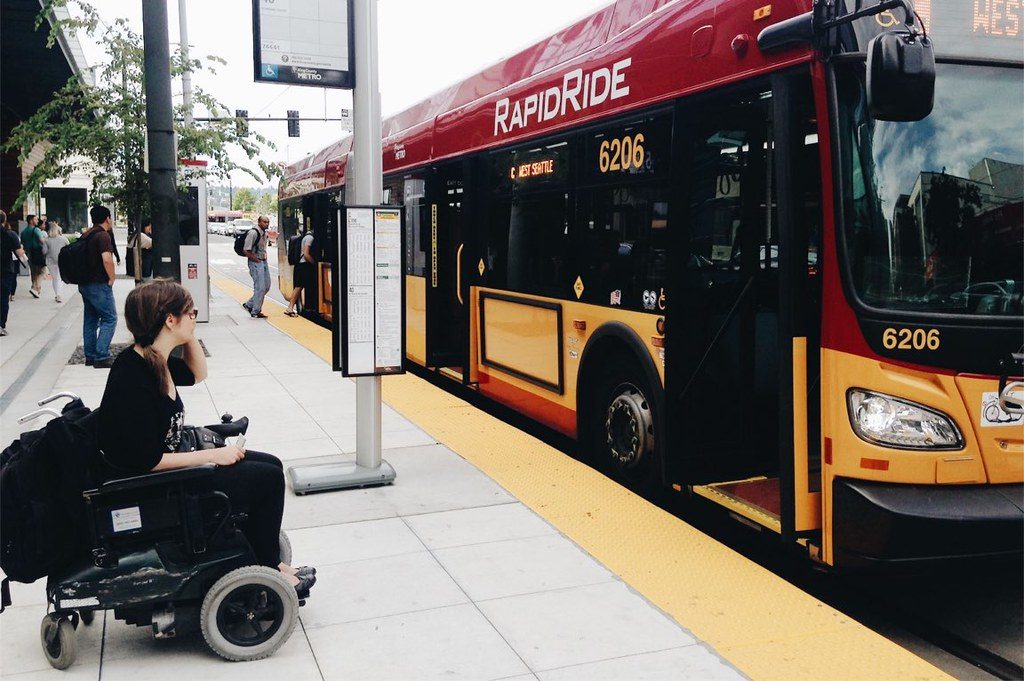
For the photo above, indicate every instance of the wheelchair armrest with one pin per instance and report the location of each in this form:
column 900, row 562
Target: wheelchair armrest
column 230, row 429
column 155, row 479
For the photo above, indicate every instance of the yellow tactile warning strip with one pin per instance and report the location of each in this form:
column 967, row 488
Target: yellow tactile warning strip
column 763, row 625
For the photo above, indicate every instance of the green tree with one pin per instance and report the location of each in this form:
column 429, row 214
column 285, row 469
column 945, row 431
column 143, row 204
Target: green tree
column 106, row 122
column 245, row 199
column 267, row 204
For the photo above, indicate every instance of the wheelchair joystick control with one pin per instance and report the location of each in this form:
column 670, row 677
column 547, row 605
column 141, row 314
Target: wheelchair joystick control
column 226, row 418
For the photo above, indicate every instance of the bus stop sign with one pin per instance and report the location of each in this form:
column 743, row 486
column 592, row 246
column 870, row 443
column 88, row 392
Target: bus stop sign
column 308, row 43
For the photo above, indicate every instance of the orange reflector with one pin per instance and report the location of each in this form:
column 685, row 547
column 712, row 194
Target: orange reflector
column 677, row 487
column 762, row 13
column 875, row 464
column 657, row 341
column 579, row 325
column 828, row 451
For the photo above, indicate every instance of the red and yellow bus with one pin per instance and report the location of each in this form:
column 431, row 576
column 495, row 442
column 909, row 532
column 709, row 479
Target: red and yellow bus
column 695, row 246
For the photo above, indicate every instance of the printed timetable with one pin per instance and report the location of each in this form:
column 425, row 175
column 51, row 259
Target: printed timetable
column 369, row 332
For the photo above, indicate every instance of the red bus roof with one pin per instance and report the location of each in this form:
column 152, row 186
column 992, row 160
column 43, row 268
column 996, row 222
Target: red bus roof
column 630, row 54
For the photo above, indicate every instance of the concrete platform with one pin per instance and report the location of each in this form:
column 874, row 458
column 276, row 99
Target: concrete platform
column 492, row 556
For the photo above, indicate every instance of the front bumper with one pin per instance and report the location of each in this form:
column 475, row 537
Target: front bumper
column 876, row 523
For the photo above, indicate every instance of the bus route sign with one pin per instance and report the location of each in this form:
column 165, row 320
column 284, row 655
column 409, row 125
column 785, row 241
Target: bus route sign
column 303, row 43
column 369, row 292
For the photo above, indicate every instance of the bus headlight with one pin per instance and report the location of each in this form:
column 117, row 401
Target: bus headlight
column 892, row 422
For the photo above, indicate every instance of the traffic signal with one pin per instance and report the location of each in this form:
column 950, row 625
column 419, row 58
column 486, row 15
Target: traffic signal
column 242, row 122
column 293, row 123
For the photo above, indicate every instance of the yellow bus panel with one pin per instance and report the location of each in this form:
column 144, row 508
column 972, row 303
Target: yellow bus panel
column 522, row 337
column 416, row 319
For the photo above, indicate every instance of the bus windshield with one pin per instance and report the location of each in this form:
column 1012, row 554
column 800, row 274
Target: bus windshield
column 933, row 209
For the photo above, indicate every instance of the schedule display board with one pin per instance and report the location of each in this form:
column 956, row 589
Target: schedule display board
column 369, row 292
column 303, row 42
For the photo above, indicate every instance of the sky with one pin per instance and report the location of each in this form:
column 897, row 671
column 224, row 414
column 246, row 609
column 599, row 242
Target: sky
column 424, row 46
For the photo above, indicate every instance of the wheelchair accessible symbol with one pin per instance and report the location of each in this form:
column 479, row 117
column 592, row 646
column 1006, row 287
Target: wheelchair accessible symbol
column 270, row 71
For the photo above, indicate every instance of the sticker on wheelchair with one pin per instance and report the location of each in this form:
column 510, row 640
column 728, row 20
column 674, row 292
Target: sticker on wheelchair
column 125, row 519
column 993, row 415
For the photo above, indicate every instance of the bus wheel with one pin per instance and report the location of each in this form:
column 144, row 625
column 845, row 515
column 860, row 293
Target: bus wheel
column 624, row 424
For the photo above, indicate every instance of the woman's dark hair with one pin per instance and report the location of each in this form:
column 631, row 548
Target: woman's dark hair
column 146, row 310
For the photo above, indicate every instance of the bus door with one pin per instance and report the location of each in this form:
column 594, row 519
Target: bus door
column 730, row 367
column 723, row 308
column 447, row 290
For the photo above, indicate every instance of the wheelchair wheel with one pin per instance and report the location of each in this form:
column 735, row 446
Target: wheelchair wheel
column 249, row 613
column 60, row 646
column 286, row 548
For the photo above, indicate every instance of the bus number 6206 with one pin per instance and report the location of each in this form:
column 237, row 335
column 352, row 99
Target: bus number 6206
column 621, row 154
column 910, row 339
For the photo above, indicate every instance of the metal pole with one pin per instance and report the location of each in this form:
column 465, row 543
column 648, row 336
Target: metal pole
column 186, row 77
column 160, row 133
column 369, row 186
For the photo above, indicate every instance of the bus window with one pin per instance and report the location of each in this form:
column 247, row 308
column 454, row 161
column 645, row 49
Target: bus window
column 539, row 244
column 529, row 243
column 623, row 211
column 624, row 243
column 417, row 242
column 291, row 218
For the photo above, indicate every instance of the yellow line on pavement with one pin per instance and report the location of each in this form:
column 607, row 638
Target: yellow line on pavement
column 766, row 627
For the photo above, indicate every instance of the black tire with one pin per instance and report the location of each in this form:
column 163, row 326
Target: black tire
column 249, row 613
column 622, row 427
column 286, row 548
column 87, row 616
column 60, row 645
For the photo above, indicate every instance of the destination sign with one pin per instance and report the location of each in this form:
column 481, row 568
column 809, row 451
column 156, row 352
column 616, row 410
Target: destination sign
column 303, row 43
column 986, row 29
column 540, row 168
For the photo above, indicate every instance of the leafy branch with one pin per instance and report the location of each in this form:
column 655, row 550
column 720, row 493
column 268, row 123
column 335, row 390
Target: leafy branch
column 105, row 123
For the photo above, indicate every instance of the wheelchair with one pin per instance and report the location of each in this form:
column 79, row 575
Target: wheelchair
column 166, row 555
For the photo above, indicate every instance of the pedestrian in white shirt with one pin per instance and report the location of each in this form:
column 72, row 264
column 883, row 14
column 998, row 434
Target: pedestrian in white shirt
column 53, row 246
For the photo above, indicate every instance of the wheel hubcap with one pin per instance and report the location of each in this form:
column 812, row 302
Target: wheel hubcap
column 250, row 615
column 629, row 427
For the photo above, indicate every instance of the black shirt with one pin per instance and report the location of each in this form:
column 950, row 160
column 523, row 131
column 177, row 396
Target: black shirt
column 138, row 423
column 100, row 242
column 9, row 243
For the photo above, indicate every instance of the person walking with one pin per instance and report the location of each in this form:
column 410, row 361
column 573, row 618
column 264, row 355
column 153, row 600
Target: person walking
column 97, row 291
column 304, row 275
column 34, row 242
column 255, row 251
column 55, row 241
column 11, row 257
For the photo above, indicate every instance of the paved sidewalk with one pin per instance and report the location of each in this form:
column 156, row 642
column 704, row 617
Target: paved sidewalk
column 442, row 575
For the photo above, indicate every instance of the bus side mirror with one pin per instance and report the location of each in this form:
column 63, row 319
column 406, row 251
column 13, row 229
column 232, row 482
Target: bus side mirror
column 901, row 76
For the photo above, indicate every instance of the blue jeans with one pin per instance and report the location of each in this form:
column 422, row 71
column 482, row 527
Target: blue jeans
column 100, row 319
column 260, row 273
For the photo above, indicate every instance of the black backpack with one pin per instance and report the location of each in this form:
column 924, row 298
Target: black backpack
column 295, row 249
column 240, row 241
column 42, row 512
column 73, row 261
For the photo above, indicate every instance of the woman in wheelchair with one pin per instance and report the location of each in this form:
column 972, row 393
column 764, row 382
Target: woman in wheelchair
column 141, row 418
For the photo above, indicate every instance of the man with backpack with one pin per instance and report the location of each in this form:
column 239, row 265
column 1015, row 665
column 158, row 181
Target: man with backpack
column 96, row 281
column 254, row 248
column 300, row 255
column 34, row 242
